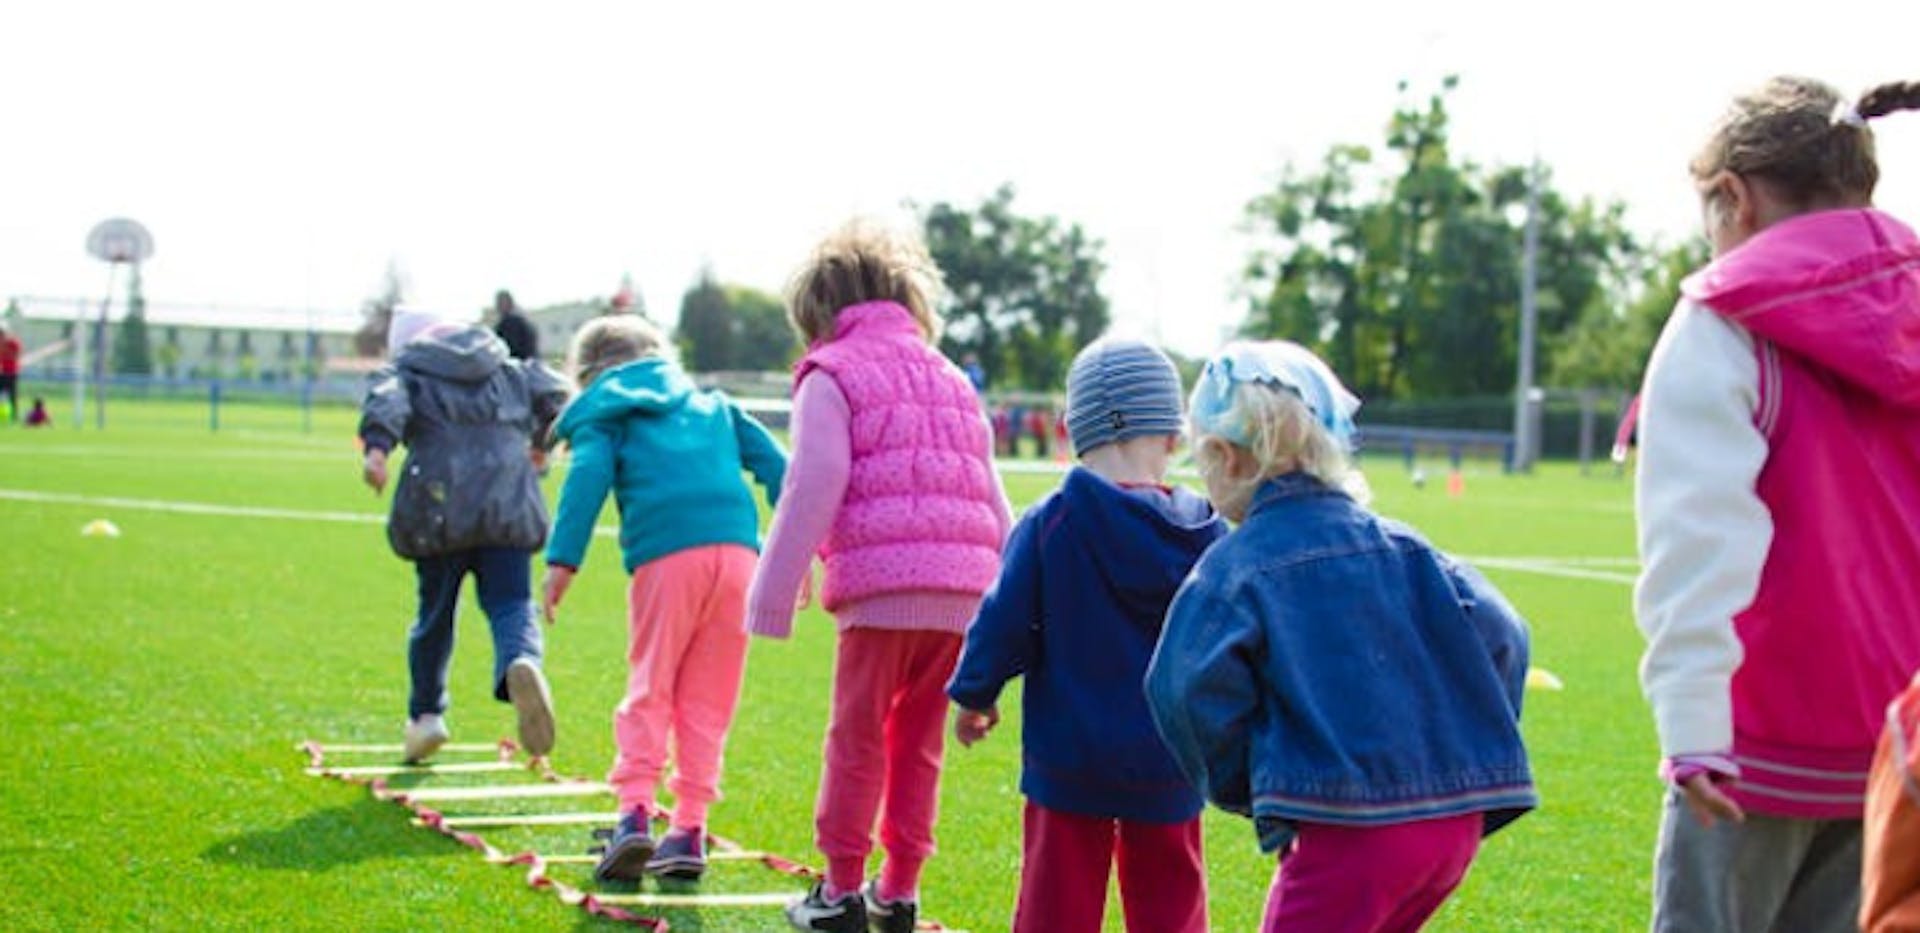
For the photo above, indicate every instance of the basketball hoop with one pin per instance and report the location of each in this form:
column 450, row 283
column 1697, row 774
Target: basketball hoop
column 120, row 240
column 114, row 241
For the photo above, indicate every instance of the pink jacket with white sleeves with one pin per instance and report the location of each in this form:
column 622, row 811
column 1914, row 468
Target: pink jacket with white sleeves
column 1779, row 507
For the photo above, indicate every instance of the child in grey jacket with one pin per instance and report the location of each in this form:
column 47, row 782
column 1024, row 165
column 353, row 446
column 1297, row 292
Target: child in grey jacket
column 468, row 501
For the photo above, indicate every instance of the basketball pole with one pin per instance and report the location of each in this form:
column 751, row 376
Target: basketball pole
column 100, row 354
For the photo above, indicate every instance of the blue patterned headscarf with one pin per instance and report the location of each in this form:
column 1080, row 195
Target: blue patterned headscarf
column 1274, row 362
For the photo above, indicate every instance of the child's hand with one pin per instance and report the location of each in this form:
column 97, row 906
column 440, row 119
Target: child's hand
column 970, row 726
column 554, row 589
column 1707, row 801
column 373, row 469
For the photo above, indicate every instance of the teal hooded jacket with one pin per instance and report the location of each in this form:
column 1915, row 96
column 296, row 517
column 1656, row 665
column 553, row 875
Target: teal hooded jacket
column 671, row 454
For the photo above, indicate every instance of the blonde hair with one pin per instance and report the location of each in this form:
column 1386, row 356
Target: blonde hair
column 610, row 340
column 863, row 261
column 1802, row 137
column 1282, row 436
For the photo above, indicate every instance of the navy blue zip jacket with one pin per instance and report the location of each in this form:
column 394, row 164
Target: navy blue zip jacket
column 1084, row 586
column 1326, row 665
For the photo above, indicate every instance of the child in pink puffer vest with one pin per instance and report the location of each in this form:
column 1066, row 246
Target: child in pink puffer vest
column 892, row 484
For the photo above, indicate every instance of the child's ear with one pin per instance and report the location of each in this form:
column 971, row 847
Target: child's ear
column 1240, row 462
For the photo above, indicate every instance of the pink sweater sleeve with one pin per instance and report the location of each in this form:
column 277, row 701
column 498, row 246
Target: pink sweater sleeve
column 810, row 497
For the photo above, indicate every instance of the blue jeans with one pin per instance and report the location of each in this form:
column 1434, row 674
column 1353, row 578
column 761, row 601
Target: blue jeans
column 503, row 578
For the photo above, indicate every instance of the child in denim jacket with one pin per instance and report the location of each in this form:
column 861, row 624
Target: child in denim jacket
column 1327, row 673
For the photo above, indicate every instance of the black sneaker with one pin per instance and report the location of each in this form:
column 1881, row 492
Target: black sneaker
column 815, row 912
column 682, row 855
column 889, row 916
column 629, row 848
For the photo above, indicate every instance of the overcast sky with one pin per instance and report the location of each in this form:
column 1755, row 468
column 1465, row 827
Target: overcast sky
column 282, row 153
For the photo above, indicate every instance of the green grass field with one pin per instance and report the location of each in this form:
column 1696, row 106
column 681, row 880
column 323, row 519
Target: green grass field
column 154, row 687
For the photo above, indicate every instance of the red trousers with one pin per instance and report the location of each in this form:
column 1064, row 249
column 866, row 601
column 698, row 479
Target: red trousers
column 1370, row 879
column 1067, row 858
column 885, row 744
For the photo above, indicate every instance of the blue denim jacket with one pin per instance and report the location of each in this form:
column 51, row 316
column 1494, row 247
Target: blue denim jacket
column 1326, row 665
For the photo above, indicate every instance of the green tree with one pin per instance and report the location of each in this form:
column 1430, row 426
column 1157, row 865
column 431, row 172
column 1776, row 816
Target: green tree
column 1406, row 275
column 762, row 340
column 377, row 312
column 132, row 349
column 706, row 334
column 733, row 327
column 246, row 365
column 167, row 354
column 1607, row 348
column 1023, row 293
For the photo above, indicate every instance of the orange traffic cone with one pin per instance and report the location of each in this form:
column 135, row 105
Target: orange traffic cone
column 1456, row 484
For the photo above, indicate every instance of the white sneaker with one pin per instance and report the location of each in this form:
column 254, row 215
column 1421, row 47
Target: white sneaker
column 527, row 688
column 425, row 734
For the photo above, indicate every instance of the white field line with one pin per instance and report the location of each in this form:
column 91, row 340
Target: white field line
column 1551, row 568
column 216, row 509
column 335, row 453
column 1571, row 567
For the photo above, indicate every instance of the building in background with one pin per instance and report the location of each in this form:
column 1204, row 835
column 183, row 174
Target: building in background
column 268, row 345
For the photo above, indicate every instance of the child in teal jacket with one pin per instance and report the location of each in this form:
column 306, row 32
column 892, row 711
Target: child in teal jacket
column 672, row 455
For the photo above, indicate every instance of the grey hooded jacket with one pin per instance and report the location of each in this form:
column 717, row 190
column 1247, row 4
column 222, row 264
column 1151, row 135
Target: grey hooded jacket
column 467, row 414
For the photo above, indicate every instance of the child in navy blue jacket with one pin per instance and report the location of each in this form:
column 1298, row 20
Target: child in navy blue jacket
column 1087, row 577
column 1326, row 672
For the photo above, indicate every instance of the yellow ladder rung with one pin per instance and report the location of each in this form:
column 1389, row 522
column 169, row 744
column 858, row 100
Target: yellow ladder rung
column 697, row 900
column 712, row 856
column 500, row 791
column 458, row 767
column 398, row 749
column 525, row 819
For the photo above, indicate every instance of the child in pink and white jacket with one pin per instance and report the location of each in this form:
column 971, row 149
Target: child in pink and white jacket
column 892, row 482
column 1779, row 511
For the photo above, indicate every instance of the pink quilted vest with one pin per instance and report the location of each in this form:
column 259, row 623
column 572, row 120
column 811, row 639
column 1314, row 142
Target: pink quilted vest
column 1833, row 635
column 919, row 514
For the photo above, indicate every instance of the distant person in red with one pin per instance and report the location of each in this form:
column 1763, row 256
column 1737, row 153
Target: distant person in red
column 1002, row 431
column 38, row 418
column 10, row 350
column 1040, row 425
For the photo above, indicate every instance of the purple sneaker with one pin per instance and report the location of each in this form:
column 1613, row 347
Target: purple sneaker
column 628, row 849
column 682, row 855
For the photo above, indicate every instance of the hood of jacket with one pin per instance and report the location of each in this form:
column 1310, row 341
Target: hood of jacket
column 1140, row 543
column 470, row 354
column 652, row 386
column 1840, row 288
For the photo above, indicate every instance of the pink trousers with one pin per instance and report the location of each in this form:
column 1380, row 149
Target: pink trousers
column 885, row 742
column 1370, row 879
column 1066, row 859
column 686, row 652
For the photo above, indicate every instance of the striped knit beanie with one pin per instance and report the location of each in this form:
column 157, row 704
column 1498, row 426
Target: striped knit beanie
column 1119, row 389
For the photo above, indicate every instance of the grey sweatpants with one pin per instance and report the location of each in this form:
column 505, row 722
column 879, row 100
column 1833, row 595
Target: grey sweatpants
column 1766, row 875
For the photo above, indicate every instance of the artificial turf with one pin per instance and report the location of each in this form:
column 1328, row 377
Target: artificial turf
column 154, row 687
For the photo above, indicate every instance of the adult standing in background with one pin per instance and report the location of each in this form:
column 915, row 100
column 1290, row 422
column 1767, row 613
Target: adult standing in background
column 10, row 350
column 522, row 340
